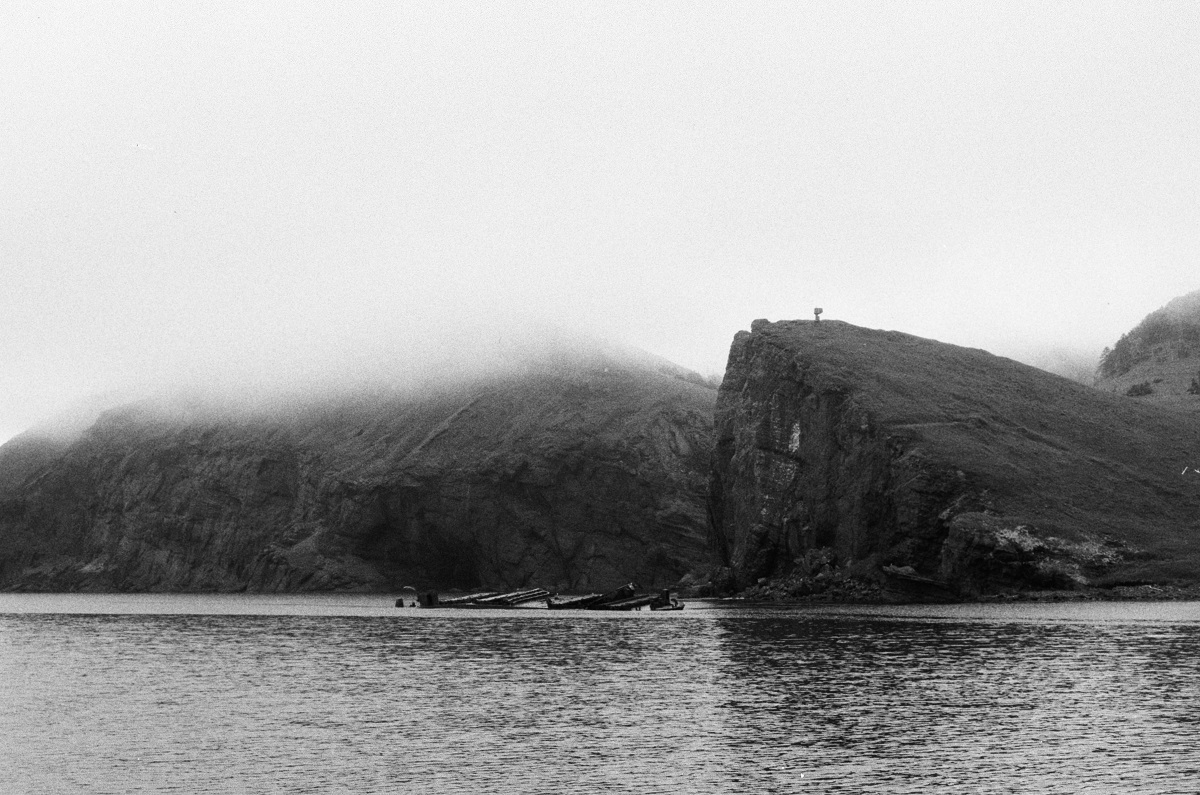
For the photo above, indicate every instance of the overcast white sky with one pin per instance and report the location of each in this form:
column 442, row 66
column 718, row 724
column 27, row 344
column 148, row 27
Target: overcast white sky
column 217, row 190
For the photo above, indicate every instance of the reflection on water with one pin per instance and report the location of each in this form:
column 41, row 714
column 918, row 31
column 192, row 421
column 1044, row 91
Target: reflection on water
column 304, row 694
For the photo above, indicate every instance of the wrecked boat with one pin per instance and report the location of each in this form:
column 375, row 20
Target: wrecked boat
column 591, row 601
column 485, row 600
column 624, row 598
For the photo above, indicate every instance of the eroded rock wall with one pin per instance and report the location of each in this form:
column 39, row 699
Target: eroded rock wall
column 800, row 464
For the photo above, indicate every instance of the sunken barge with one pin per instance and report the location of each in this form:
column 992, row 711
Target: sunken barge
column 624, row 598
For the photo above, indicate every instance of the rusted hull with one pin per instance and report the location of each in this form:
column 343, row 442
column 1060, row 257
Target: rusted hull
column 491, row 599
column 592, row 601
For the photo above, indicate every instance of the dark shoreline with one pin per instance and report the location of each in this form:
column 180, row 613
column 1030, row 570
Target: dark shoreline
column 1121, row 593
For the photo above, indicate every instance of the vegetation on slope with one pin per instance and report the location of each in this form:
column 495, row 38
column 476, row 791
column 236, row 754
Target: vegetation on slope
column 577, row 477
column 917, row 440
column 1169, row 333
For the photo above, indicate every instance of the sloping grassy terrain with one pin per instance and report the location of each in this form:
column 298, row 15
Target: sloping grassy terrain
column 1169, row 333
column 24, row 455
column 1158, row 360
column 1066, row 460
column 881, row 455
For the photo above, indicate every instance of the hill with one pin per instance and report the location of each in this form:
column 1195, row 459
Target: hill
column 1159, row 359
column 578, row 476
column 844, row 451
column 23, row 455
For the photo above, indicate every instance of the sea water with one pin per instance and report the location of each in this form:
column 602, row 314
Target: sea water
column 115, row 694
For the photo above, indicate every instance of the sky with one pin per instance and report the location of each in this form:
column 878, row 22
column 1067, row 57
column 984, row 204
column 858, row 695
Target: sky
column 233, row 193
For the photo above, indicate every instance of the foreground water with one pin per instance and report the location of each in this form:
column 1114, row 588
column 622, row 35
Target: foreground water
column 349, row 694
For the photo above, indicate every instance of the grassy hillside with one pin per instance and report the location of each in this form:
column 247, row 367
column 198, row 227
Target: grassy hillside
column 1160, row 357
column 1069, row 460
column 1096, row 476
column 24, row 455
column 576, row 477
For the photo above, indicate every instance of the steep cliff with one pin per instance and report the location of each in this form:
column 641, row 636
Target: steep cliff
column 576, row 478
column 909, row 463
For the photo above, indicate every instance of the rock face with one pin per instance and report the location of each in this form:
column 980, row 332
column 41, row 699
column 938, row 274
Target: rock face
column 576, row 479
column 902, row 462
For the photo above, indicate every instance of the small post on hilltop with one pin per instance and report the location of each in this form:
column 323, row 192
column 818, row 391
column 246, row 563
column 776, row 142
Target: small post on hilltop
column 817, row 314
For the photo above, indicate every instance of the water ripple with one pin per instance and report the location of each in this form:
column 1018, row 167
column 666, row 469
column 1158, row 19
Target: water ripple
column 734, row 700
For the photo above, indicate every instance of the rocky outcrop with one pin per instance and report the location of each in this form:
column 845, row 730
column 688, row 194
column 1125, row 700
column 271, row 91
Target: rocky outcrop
column 583, row 478
column 904, row 461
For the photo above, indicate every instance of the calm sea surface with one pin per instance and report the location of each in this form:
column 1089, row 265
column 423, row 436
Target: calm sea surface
column 114, row 694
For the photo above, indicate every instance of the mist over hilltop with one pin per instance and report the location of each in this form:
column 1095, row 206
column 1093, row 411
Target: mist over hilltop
column 579, row 471
column 439, row 360
column 243, row 195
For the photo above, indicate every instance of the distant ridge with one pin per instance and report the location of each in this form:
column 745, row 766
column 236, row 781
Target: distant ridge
column 1159, row 358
